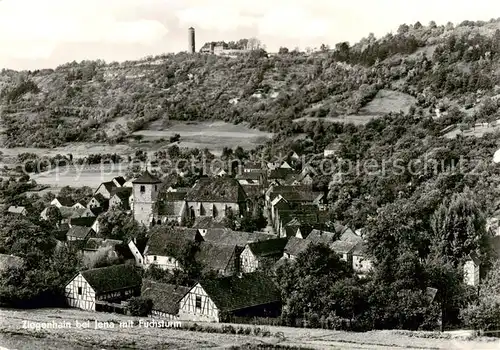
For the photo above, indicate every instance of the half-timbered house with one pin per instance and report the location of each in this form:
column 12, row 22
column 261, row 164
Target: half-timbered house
column 216, row 300
column 79, row 233
column 165, row 297
column 94, row 289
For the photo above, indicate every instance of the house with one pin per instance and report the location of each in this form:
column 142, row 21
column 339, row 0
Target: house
column 226, row 236
column 254, row 178
column 145, row 193
column 92, row 222
column 119, row 181
column 61, row 202
column 106, row 189
column 79, row 233
column 294, row 247
column 206, row 222
column 79, row 205
column 166, row 298
column 344, row 249
column 216, row 197
column 251, row 295
column 361, row 263
column 222, row 259
column 17, row 210
column 261, row 254
column 121, row 198
column 137, row 248
column 250, row 166
column 165, row 244
column 98, row 201
column 92, row 289
column 471, row 270
column 332, row 149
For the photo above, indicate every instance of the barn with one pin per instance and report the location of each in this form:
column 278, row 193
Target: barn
column 213, row 300
column 97, row 289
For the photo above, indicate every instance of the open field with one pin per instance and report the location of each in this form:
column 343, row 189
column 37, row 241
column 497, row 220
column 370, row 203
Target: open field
column 80, row 175
column 387, row 101
column 354, row 119
column 213, row 135
column 13, row 335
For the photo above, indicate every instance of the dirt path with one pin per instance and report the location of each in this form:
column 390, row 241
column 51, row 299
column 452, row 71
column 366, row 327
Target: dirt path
column 14, row 334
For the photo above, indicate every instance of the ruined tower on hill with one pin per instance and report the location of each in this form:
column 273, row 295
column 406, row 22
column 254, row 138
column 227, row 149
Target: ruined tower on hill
column 191, row 40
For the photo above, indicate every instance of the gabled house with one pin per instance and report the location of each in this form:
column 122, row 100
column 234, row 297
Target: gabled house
column 62, row 202
column 471, row 270
column 106, row 189
column 92, row 222
column 17, row 210
column 120, row 198
column 98, row 201
column 79, row 233
column 294, row 247
column 222, row 259
column 165, row 244
column 215, row 197
column 116, row 247
column 261, row 254
column 166, row 298
column 119, row 181
column 251, row 295
column 344, row 249
column 92, row 289
column 78, row 205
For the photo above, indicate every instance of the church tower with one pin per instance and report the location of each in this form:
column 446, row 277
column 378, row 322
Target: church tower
column 145, row 190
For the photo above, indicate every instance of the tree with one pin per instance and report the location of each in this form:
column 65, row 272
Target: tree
column 53, row 215
column 305, row 284
column 484, row 314
column 459, row 226
column 283, row 50
column 104, row 256
column 254, row 44
column 139, row 306
column 117, row 224
column 403, row 29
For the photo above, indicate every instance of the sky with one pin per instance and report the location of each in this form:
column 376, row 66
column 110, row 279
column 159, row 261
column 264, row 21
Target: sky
column 38, row 34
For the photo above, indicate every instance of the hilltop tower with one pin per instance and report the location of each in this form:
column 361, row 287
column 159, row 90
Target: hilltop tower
column 145, row 190
column 191, row 40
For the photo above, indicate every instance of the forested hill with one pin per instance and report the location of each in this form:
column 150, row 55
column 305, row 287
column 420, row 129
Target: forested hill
column 455, row 69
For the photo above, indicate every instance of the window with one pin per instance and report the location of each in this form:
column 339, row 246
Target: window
column 143, row 189
column 79, row 290
column 198, row 302
column 155, row 188
column 154, row 258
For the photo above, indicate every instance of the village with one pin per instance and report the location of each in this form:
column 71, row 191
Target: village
column 239, row 262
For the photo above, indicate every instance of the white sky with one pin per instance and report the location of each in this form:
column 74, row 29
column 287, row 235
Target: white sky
column 45, row 33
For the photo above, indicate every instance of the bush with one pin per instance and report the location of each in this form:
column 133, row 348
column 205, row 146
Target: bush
column 139, row 306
